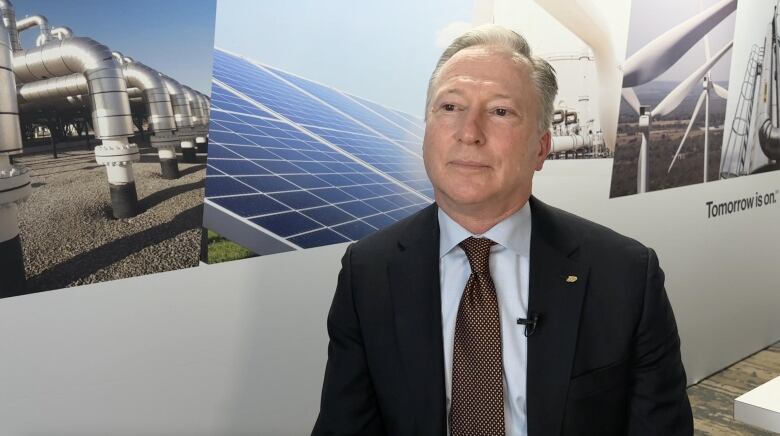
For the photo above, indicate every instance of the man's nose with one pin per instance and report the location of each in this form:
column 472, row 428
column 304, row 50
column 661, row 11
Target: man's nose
column 471, row 129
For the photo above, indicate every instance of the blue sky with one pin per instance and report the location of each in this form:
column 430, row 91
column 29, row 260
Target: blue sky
column 172, row 36
column 380, row 50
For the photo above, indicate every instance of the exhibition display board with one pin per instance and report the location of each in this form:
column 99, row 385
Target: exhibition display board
column 315, row 140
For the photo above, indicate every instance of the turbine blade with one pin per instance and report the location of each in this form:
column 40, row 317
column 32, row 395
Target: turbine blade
column 678, row 94
column 630, row 97
column 721, row 91
column 707, row 52
column 688, row 130
column 665, row 50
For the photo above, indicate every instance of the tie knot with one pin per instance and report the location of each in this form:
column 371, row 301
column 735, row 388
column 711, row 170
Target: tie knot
column 478, row 252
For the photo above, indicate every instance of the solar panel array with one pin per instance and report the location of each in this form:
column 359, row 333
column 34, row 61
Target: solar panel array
column 305, row 164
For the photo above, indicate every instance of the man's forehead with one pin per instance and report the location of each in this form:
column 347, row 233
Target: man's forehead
column 485, row 53
column 481, row 55
column 485, row 64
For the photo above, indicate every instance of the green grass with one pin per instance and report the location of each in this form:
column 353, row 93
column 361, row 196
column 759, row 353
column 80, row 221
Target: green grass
column 223, row 250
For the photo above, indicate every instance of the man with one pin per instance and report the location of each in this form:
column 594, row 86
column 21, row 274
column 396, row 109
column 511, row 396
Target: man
column 489, row 312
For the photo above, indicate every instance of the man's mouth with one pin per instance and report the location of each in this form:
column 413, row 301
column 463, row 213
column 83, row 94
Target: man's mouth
column 468, row 164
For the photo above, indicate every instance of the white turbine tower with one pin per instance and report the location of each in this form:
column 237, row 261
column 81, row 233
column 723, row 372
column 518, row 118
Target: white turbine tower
column 659, row 55
column 708, row 86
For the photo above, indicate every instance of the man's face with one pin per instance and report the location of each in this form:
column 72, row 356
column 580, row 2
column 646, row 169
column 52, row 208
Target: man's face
column 482, row 143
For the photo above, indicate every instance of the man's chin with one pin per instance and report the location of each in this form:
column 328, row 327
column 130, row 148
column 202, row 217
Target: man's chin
column 465, row 200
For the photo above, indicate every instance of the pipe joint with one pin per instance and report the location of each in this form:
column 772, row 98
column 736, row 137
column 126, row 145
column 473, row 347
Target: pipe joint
column 62, row 32
column 115, row 153
column 164, row 139
column 15, row 185
column 36, row 20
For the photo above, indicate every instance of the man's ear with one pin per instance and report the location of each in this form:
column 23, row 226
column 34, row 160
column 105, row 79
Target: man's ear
column 545, row 144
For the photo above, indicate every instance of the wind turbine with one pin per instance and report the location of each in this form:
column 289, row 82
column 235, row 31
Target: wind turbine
column 708, row 86
column 659, row 55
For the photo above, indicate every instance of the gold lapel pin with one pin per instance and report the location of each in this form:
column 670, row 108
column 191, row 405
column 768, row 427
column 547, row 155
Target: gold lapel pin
column 571, row 279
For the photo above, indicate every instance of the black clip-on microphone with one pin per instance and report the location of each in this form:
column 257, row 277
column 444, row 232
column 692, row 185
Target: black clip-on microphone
column 530, row 323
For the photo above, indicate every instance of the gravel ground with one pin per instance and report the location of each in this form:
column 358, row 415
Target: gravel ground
column 70, row 237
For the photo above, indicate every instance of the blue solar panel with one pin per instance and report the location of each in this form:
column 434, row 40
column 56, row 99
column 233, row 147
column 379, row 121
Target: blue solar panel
column 259, row 84
column 309, row 170
column 356, row 111
column 230, row 102
column 262, row 87
column 411, row 125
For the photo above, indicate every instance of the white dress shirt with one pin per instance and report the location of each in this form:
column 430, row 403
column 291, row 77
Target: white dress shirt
column 509, row 260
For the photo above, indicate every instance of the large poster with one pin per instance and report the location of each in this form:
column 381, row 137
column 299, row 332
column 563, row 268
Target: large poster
column 672, row 123
column 103, row 131
column 751, row 142
column 218, row 344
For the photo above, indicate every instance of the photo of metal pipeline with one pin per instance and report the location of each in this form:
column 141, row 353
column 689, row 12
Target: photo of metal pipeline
column 69, row 107
column 671, row 122
column 752, row 142
column 577, row 132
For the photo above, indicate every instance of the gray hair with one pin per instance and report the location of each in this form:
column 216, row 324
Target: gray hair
column 542, row 73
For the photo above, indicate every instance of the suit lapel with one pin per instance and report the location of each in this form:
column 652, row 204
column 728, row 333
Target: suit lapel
column 556, row 289
column 415, row 291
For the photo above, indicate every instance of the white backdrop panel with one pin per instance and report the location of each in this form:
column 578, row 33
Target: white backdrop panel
column 239, row 348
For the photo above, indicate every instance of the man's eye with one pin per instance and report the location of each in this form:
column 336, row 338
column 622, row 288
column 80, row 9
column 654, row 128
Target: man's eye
column 501, row 112
column 449, row 107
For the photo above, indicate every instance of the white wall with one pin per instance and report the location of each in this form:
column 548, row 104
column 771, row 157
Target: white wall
column 239, row 348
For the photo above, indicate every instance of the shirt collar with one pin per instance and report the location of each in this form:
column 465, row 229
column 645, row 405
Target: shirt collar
column 514, row 232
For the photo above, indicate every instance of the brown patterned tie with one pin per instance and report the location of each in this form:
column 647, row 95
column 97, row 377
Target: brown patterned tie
column 477, row 407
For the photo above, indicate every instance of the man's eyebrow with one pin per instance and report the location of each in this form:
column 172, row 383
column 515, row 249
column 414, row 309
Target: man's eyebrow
column 506, row 96
column 459, row 91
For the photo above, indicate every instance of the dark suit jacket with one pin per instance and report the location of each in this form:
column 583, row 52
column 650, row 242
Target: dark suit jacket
column 604, row 360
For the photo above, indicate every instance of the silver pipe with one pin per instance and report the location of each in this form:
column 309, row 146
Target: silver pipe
column 118, row 56
column 62, row 32
column 194, row 102
column 35, row 20
column 69, row 103
column 105, row 80
column 150, row 85
column 10, row 133
column 204, row 104
column 15, row 183
column 9, row 20
column 570, row 142
column 155, row 94
column 768, row 133
column 181, row 106
column 51, row 90
column 108, row 100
